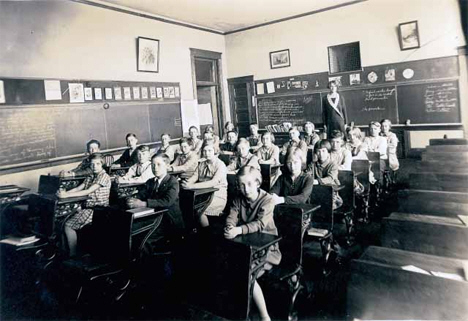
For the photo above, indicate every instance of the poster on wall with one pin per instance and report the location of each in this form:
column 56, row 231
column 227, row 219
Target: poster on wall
column 76, row 92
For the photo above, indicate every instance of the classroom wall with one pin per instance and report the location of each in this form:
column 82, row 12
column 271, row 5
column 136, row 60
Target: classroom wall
column 69, row 40
column 373, row 23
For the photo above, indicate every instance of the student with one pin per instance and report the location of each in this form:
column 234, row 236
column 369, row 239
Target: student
column 326, row 171
column 129, row 156
column 295, row 186
column 97, row 187
column 310, row 137
column 252, row 212
column 166, row 148
column 295, row 142
column 244, row 157
column 340, row 155
column 210, row 129
column 334, row 110
column 269, row 154
column 84, row 169
column 186, row 161
column 228, row 127
column 211, row 172
column 229, row 147
column 392, row 144
column 354, row 143
column 141, row 171
column 194, row 142
column 376, row 143
column 161, row 192
column 254, row 139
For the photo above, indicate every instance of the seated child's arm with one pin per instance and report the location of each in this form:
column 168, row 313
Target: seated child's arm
column 263, row 217
column 166, row 198
column 331, row 177
column 190, row 164
column 79, row 191
column 219, row 176
column 302, row 197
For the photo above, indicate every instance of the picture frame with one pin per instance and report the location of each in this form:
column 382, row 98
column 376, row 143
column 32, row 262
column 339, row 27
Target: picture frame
column 408, row 35
column 148, row 54
column 280, row 59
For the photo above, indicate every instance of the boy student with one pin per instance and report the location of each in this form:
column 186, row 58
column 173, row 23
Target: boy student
column 326, row 171
column 129, row 156
column 255, row 138
column 244, row 157
column 84, row 169
column 252, row 212
column 229, row 147
column 194, row 142
column 97, row 187
column 141, row 171
column 310, row 137
column 392, row 144
column 295, row 142
column 161, row 192
column 340, row 155
column 166, row 148
column 295, row 186
column 186, row 161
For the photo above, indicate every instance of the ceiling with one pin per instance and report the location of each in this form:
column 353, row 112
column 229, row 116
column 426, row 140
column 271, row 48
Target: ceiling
column 226, row 16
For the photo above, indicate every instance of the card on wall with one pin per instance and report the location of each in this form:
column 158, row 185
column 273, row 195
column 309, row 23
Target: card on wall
column 136, row 92
column 76, row 91
column 98, row 93
column 153, row 92
column 159, row 92
column 118, row 93
column 2, row 92
column 88, row 93
column 108, row 92
column 144, row 92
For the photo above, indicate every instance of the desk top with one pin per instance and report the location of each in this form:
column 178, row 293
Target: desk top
column 305, row 207
column 6, row 190
column 198, row 191
column 67, row 200
column 130, row 184
column 256, row 241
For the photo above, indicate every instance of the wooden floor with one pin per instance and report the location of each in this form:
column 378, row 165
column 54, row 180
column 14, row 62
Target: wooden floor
column 324, row 298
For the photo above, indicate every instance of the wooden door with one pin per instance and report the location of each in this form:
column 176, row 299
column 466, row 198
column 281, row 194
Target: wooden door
column 243, row 111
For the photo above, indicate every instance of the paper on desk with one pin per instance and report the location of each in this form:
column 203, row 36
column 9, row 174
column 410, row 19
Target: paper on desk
column 464, row 219
column 413, row 268
column 450, row 276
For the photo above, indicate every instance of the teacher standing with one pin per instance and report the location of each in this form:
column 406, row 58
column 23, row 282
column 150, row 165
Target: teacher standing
column 334, row 110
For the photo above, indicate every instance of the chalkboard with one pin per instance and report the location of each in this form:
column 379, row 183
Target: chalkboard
column 45, row 133
column 429, row 103
column 366, row 105
column 296, row 109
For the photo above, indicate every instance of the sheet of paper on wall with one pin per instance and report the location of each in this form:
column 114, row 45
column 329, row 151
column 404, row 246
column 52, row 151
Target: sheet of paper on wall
column 171, row 92
column 189, row 109
column 166, row 92
column 204, row 114
column 118, row 93
column 127, row 93
column 98, row 93
column 177, row 91
column 159, row 92
column 88, row 93
column 270, row 87
column 144, row 92
column 2, row 92
column 153, row 92
column 108, row 92
column 260, row 89
column 52, row 90
column 136, row 92
column 76, row 92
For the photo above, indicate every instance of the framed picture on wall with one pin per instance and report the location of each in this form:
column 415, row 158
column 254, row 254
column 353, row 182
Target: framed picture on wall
column 148, row 54
column 408, row 35
column 280, row 59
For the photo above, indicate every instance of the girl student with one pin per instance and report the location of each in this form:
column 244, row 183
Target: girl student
column 269, row 153
column 211, row 172
column 243, row 157
column 252, row 212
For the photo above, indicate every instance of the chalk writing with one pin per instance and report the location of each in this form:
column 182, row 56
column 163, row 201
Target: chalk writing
column 441, row 98
column 379, row 94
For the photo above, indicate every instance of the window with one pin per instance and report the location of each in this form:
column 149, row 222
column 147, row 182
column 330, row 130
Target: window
column 345, row 57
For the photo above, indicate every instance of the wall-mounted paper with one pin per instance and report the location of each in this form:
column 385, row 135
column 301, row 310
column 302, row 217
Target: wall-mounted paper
column 98, row 93
column 118, row 93
column 260, row 89
column 204, row 114
column 153, row 92
column 108, row 93
column 127, row 93
column 88, row 93
column 76, row 92
column 270, row 87
column 177, row 91
column 171, row 92
column 136, row 92
column 159, row 92
column 189, row 115
column 52, row 90
column 144, row 92
column 2, row 93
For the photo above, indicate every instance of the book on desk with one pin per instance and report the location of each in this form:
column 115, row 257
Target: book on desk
column 141, row 211
column 19, row 240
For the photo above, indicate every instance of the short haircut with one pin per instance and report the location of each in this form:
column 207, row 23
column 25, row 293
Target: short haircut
column 336, row 134
column 325, row 143
column 374, row 123
column 97, row 156
column 309, row 123
column 388, row 121
column 354, row 130
column 271, row 135
column 143, row 148
column 243, row 142
column 333, row 82
column 165, row 134
column 296, row 153
column 251, row 172
column 232, row 131
column 93, row 141
column 183, row 140
column 193, row 127
column 166, row 158
column 130, row 135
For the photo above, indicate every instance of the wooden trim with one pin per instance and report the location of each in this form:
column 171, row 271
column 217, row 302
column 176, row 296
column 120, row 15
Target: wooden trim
column 146, row 16
column 295, row 16
column 238, row 80
column 200, row 53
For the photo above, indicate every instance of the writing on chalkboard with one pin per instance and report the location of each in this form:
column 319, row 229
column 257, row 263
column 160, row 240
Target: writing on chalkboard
column 441, row 98
column 27, row 136
column 379, row 94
